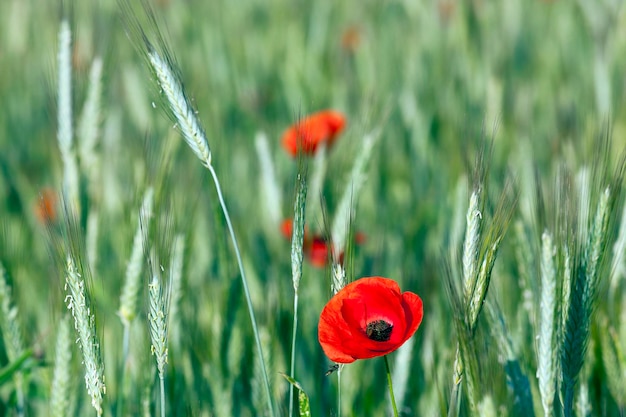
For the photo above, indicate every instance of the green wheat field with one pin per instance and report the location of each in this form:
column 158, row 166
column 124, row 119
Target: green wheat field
column 145, row 264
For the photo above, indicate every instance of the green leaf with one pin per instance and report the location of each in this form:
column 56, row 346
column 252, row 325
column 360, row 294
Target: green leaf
column 7, row 372
column 303, row 399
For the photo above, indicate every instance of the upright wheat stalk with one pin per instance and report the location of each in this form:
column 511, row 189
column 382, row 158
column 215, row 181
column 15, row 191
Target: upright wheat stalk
column 12, row 335
column 61, row 376
column 176, row 282
column 341, row 220
column 546, row 350
column 582, row 295
column 297, row 242
column 471, row 244
column 471, row 247
column 193, row 133
column 157, row 317
column 132, row 283
column 78, row 303
column 271, row 191
column 88, row 128
column 65, row 129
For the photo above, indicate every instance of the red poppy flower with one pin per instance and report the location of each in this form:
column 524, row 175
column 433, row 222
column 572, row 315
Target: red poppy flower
column 317, row 249
column 369, row 317
column 318, row 252
column 46, row 206
column 307, row 134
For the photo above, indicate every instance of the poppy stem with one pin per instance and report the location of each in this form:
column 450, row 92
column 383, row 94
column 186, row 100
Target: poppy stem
column 339, row 390
column 391, row 396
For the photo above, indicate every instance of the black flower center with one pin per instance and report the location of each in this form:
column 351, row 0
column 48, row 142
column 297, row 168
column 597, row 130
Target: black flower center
column 379, row 330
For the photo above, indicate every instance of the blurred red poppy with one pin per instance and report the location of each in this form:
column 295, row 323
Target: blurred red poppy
column 369, row 317
column 286, row 229
column 318, row 252
column 351, row 38
column 45, row 207
column 317, row 249
column 307, row 134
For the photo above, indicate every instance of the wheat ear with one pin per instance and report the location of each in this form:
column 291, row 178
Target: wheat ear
column 341, row 219
column 297, row 243
column 12, row 335
column 78, row 303
column 88, row 128
column 65, row 130
column 471, row 244
column 271, row 192
column 176, row 282
column 194, row 135
column 61, row 376
column 185, row 115
column 582, row 297
column 546, row 350
column 132, row 283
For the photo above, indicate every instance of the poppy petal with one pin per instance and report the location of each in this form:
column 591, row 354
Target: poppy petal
column 413, row 311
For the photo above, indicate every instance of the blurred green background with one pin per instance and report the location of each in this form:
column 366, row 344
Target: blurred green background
column 436, row 78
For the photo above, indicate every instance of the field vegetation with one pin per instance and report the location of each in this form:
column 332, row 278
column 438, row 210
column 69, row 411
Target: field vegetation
column 169, row 239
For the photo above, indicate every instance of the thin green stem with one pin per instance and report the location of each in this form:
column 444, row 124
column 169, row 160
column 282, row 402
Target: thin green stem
column 125, row 350
column 391, row 396
column 162, row 383
column 292, row 372
column 339, row 390
column 244, row 282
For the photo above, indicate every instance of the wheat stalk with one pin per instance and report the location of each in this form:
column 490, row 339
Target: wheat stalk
column 61, row 375
column 65, row 130
column 297, row 242
column 176, row 282
column 12, row 335
column 88, row 128
column 158, row 305
column 297, row 239
column 582, row 296
column 132, row 283
column 78, row 303
column 342, row 217
column 546, row 358
column 157, row 317
column 619, row 250
column 193, row 133
column 271, row 193
column 185, row 115
column 471, row 244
